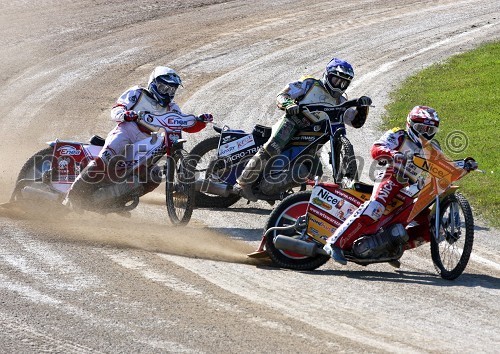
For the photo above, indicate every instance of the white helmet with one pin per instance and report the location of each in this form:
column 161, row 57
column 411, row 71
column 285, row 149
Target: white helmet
column 163, row 83
column 422, row 122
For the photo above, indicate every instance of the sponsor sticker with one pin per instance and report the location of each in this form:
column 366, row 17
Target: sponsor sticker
column 236, row 145
column 68, row 150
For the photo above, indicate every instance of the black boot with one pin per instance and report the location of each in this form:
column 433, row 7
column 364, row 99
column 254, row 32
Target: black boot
column 250, row 174
column 87, row 182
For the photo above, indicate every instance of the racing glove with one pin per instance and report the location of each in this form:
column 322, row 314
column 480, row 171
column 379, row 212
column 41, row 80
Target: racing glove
column 401, row 158
column 470, row 164
column 130, row 116
column 291, row 108
column 205, row 117
column 364, row 101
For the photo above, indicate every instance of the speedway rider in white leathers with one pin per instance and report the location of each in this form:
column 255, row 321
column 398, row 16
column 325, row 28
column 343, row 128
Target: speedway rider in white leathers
column 157, row 99
column 396, row 149
column 330, row 88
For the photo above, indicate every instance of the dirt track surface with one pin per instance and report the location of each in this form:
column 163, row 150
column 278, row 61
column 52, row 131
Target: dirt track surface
column 109, row 284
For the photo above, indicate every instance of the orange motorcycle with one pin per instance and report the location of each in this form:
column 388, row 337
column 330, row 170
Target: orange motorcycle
column 298, row 227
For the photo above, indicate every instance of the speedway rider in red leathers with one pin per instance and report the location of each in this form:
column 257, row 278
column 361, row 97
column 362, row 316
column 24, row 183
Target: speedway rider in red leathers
column 330, row 88
column 399, row 146
column 157, row 99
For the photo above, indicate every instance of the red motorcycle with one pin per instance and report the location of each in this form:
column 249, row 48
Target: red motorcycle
column 48, row 174
column 298, row 227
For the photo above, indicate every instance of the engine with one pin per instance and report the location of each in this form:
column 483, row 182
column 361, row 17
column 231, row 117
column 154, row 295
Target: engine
column 276, row 183
column 383, row 244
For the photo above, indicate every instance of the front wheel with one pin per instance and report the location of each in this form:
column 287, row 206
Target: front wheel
column 285, row 214
column 344, row 159
column 179, row 188
column 451, row 251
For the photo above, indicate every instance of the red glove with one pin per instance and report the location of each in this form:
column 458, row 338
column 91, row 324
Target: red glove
column 206, row 117
column 130, row 116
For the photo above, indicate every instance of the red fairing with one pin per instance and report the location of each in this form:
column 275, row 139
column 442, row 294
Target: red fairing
column 195, row 128
column 69, row 160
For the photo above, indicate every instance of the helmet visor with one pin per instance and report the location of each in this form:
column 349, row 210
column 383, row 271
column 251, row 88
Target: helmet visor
column 338, row 82
column 166, row 89
column 424, row 129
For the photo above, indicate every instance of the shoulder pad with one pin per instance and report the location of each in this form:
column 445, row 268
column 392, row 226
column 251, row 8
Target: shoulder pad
column 396, row 129
column 306, row 77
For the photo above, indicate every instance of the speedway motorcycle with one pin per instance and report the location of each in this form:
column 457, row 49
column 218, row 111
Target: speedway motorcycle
column 298, row 228
column 48, row 174
column 221, row 159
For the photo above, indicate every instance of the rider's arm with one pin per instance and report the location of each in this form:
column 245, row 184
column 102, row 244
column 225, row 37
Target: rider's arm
column 388, row 145
column 196, row 127
column 125, row 103
column 293, row 91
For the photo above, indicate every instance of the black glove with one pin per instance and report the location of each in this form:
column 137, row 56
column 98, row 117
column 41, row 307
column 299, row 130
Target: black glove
column 130, row 116
column 291, row 108
column 205, row 117
column 470, row 164
column 364, row 101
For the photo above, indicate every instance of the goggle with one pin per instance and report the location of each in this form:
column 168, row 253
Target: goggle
column 166, row 89
column 339, row 82
column 429, row 130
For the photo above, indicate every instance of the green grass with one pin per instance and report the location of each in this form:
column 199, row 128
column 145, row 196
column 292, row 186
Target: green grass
column 465, row 91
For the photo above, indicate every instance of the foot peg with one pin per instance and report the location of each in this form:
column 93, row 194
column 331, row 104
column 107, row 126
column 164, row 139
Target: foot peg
column 336, row 253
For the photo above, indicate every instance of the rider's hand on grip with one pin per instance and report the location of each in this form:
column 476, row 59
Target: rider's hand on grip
column 142, row 114
column 400, row 158
column 470, row 164
column 206, row 117
column 130, row 116
column 292, row 110
column 364, row 101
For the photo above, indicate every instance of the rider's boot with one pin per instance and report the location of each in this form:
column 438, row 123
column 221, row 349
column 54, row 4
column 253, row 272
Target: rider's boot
column 85, row 185
column 250, row 174
column 356, row 225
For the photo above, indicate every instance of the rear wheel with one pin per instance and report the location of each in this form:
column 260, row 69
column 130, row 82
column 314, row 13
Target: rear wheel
column 204, row 156
column 179, row 188
column 345, row 161
column 452, row 250
column 285, row 214
column 33, row 169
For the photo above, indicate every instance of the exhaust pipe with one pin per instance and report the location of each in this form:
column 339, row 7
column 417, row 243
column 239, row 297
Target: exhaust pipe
column 29, row 192
column 210, row 187
column 309, row 249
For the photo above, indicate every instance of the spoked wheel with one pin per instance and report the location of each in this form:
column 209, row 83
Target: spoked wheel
column 33, row 169
column 345, row 161
column 285, row 214
column 204, row 155
column 179, row 188
column 451, row 251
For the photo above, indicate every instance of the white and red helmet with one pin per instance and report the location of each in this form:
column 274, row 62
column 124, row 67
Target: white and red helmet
column 422, row 122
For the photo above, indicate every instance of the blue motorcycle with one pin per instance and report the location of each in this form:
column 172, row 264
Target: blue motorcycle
column 219, row 160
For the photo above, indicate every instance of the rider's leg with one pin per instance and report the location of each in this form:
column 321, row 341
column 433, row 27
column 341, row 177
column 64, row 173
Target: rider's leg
column 365, row 219
column 86, row 184
column 96, row 171
column 283, row 131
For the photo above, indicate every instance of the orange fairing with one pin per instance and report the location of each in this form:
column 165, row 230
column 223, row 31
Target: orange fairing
column 441, row 173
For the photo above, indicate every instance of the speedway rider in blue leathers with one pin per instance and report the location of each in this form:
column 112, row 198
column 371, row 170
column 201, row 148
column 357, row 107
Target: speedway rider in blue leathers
column 157, row 99
column 330, row 88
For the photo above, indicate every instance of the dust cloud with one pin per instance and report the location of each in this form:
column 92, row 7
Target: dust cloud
column 60, row 225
